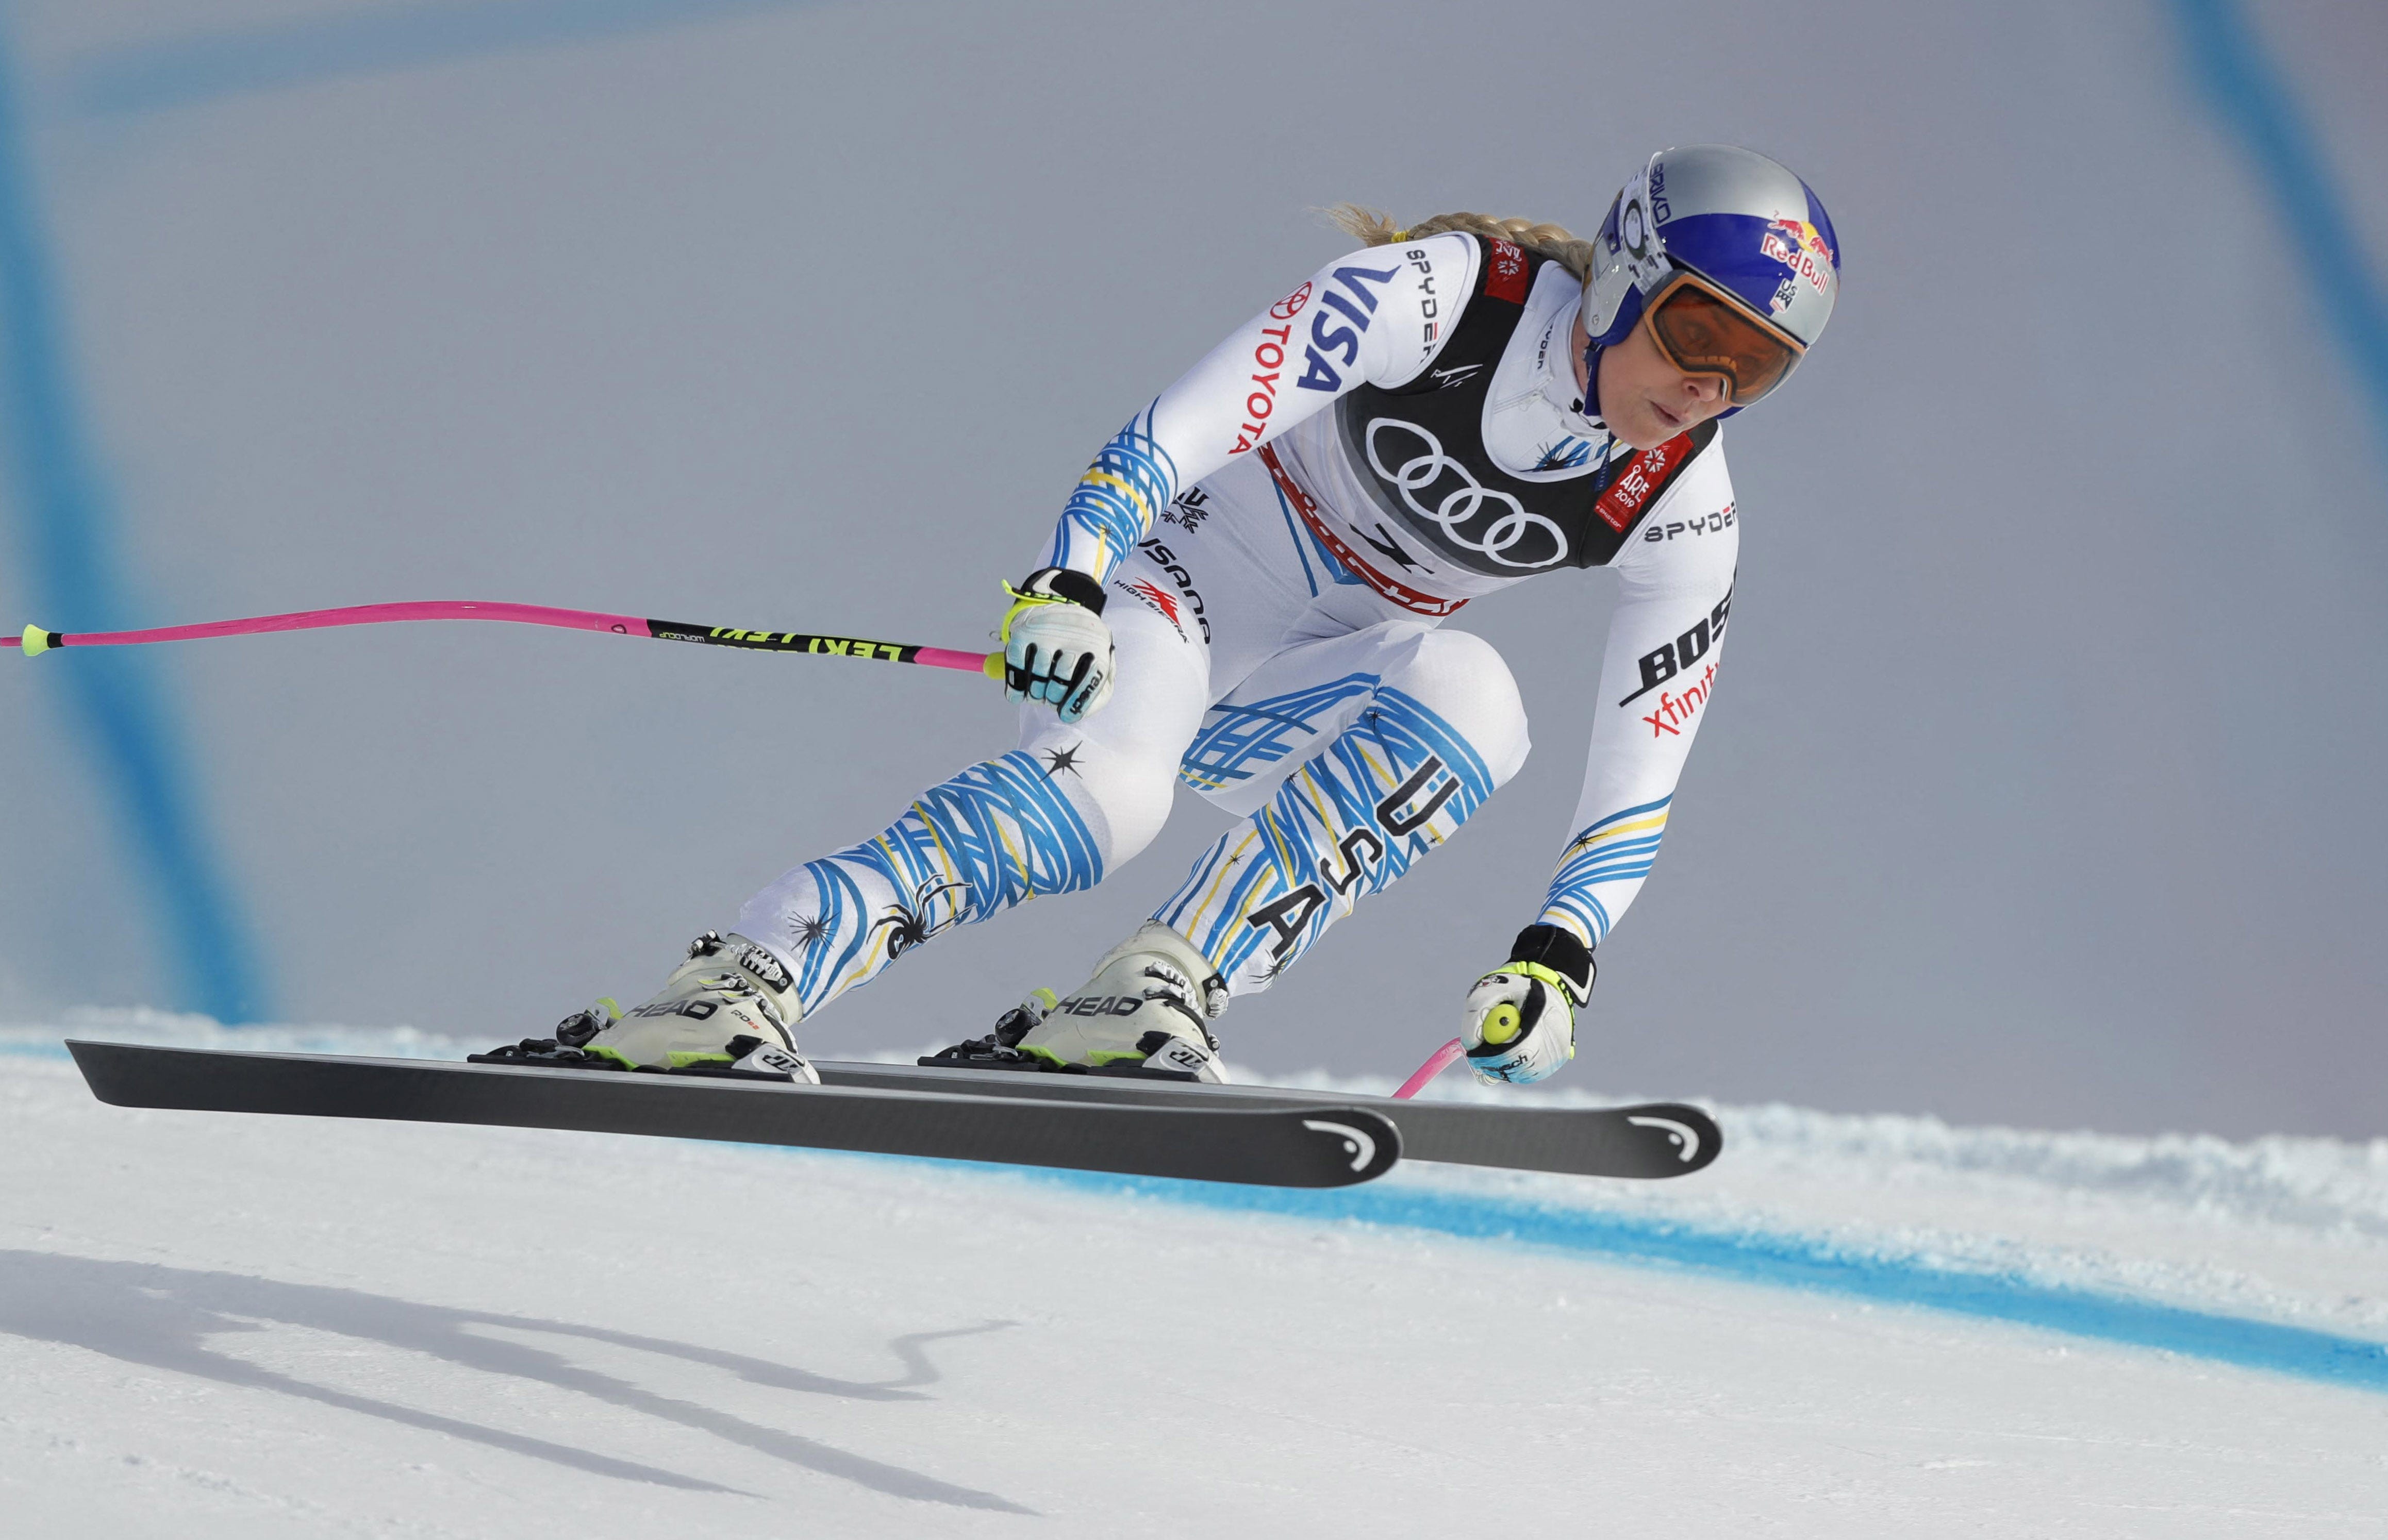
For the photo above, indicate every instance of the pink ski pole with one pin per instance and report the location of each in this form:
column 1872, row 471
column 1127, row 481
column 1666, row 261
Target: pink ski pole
column 37, row 641
column 1437, row 1062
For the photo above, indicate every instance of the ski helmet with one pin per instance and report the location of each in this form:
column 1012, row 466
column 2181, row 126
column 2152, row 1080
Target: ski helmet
column 1744, row 253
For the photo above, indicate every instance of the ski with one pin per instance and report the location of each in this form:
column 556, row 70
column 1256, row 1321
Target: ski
column 1321, row 1143
column 1646, row 1141
column 933, row 1110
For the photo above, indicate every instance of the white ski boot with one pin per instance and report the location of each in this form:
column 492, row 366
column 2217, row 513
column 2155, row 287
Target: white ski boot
column 732, row 1005
column 1151, row 1002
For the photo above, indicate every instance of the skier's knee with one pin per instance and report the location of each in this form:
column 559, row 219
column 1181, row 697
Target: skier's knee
column 1135, row 806
column 1463, row 680
column 1121, row 788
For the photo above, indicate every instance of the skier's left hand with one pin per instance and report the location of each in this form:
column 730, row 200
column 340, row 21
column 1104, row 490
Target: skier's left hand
column 1520, row 1020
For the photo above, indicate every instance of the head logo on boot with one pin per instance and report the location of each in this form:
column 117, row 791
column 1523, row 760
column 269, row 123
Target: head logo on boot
column 1109, row 1005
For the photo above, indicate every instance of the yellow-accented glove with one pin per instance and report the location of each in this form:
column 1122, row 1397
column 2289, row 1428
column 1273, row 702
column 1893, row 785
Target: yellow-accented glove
column 1519, row 1022
column 1055, row 647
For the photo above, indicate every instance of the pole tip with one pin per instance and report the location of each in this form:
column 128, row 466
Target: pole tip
column 37, row 641
column 993, row 667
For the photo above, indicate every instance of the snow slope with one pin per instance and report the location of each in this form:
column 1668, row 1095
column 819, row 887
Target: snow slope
column 215, row 1325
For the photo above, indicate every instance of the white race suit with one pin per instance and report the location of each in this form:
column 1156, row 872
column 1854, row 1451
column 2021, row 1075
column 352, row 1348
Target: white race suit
column 1282, row 534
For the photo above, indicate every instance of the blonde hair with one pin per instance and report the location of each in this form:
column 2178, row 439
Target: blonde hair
column 1376, row 228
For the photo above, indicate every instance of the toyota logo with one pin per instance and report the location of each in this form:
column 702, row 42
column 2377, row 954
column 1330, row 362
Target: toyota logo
column 1462, row 503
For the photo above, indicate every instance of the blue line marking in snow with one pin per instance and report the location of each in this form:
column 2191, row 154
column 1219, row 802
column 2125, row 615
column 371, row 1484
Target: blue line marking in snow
column 1789, row 1262
column 2246, row 89
column 147, row 77
column 71, row 571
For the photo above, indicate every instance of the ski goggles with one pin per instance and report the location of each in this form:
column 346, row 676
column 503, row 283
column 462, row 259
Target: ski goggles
column 1703, row 328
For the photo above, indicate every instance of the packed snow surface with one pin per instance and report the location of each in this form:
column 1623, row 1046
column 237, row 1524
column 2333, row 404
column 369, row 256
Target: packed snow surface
column 220, row 1325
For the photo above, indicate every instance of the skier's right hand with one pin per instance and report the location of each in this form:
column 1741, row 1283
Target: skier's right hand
column 1518, row 1024
column 1055, row 647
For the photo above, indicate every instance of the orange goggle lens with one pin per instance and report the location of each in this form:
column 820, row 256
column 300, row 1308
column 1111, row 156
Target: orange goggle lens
column 1703, row 330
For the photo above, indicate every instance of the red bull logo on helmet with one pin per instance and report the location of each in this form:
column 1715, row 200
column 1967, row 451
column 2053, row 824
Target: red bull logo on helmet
column 1802, row 247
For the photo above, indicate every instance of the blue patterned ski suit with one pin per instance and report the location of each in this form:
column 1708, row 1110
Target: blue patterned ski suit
column 1282, row 534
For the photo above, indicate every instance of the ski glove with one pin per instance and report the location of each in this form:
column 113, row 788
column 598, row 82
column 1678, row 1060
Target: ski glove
column 1055, row 647
column 1519, row 1021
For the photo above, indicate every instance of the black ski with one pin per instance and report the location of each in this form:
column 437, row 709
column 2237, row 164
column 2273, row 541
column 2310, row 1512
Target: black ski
column 1657, row 1139
column 1325, row 1143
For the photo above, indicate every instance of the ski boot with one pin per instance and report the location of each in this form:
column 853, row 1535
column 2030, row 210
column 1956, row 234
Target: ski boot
column 1149, row 1006
column 727, row 1009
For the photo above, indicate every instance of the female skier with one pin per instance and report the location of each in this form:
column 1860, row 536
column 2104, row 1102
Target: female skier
column 1246, row 592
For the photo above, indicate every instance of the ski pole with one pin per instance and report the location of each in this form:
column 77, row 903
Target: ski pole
column 1437, row 1062
column 37, row 641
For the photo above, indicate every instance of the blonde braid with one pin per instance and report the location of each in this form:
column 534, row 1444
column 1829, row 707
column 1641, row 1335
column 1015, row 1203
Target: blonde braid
column 1376, row 228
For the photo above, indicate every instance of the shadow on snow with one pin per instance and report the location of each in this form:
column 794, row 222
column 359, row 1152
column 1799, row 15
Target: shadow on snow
column 162, row 1318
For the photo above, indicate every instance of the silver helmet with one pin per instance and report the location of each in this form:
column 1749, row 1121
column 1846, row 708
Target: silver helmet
column 1730, row 215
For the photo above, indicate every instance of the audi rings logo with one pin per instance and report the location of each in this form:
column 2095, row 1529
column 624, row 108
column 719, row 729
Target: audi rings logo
column 1464, row 504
